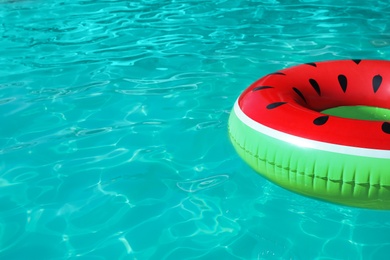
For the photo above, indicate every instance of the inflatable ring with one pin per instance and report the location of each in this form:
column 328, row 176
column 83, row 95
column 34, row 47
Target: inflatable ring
column 320, row 129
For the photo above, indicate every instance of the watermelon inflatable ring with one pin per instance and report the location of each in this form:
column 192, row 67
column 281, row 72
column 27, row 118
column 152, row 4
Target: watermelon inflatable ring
column 320, row 129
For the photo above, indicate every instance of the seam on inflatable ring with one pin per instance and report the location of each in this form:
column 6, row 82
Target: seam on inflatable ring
column 300, row 172
column 310, row 143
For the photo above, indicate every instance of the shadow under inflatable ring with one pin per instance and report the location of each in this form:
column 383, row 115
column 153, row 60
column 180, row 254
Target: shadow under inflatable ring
column 320, row 129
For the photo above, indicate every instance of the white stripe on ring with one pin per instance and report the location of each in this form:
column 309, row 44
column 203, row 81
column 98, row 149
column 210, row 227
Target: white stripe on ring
column 308, row 143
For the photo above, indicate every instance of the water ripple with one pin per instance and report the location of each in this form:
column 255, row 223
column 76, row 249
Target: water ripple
column 202, row 184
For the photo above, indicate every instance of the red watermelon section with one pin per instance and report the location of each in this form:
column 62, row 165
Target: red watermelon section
column 291, row 101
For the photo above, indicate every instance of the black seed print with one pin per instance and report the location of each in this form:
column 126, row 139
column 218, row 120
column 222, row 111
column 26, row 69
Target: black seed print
column 376, row 82
column 315, row 85
column 277, row 73
column 386, row 127
column 261, row 88
column 343, row 82
column 311, row 64
column 300, row 94
column 320, row 120
column 275, row 105
column 357, row 61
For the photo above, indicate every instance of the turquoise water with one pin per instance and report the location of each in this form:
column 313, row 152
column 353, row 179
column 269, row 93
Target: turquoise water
column 113, row 141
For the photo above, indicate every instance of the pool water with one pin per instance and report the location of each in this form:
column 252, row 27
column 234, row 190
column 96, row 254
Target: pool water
column 113, row 138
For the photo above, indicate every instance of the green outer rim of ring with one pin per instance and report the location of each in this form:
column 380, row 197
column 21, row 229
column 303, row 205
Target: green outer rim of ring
column 340, row 178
